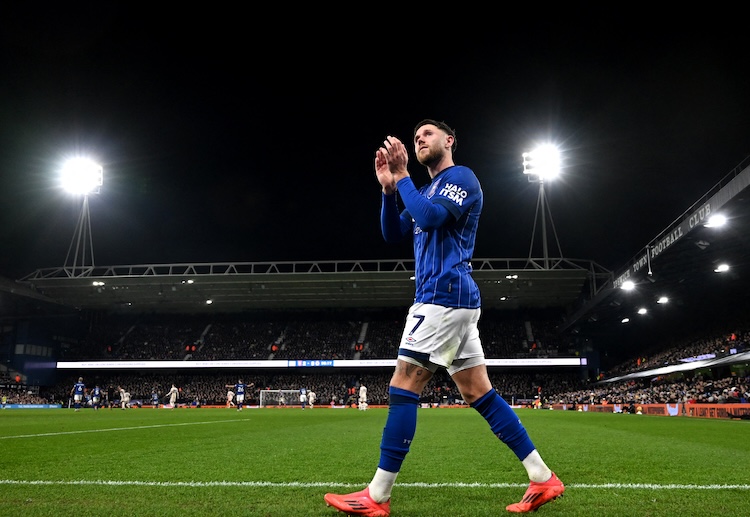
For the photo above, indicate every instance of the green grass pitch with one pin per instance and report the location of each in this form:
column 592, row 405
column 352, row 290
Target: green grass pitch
column 280, row 462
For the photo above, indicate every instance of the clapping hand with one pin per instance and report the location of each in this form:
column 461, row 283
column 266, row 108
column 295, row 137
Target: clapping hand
column 390, row 163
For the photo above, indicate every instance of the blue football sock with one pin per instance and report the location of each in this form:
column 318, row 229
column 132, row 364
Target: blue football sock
column 504, row 423
column 399, row 428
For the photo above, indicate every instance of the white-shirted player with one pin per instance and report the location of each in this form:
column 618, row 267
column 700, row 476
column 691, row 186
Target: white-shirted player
column 311, row 398
column 362, row 404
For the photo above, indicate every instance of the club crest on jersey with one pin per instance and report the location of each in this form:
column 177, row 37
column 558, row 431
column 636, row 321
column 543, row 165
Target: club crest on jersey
column 454, row 193
column 433, row 189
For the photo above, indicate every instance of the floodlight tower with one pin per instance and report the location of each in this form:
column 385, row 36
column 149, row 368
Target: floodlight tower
column 81, row 176
column 542, row 165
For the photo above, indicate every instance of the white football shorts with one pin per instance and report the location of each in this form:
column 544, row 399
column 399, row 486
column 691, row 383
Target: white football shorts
column 436, row 336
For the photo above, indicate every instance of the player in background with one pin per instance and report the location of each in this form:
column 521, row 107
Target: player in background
column 240, row 390
column 173, row 393
column 362, row 402
column 96, row 397
column 311, row 398
column 109, row 395
column 230, row 396
column 441, row 328
column 303, row 397
column 124, row 398
column 77, row 391
column 155, row 398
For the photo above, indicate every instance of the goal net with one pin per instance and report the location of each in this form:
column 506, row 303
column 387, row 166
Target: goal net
column 275, row 398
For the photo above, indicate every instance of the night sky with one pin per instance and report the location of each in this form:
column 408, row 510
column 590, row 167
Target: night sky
column 227, row 136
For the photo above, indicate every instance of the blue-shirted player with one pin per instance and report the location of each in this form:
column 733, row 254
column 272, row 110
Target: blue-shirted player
column 303, row 397
column 240, row 390
column 96, row 397
column 77, row 391
column 441, row 330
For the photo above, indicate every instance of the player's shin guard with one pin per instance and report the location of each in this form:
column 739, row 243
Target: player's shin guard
column 399, row 430
column 504, row 423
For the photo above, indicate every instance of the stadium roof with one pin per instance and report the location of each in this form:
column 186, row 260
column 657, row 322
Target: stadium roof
column 238, row 287
column 681, row 264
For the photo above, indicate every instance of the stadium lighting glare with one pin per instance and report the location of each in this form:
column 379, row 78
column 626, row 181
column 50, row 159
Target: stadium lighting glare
column 642, row 311
column 625, row 320
column 209, row 301
column 627, row 285
column 662, row 299
column 722, row 268
column 543, row 163
column 81, row 176
column 716, row 221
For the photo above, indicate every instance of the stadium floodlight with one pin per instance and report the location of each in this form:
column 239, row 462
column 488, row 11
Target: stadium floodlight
column 716, row 221
column 540, row 166
column 628, row 285
column 662, row 299
column 81, row 176
column 722, row 268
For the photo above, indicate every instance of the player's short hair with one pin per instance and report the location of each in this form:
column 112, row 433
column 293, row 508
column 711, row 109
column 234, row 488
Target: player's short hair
column 442, row 126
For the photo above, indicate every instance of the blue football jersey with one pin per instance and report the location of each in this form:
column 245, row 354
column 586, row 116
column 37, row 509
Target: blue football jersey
column 443, row 255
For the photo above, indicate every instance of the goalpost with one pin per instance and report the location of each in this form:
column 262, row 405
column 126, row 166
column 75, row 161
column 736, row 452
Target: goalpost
column 276, row 398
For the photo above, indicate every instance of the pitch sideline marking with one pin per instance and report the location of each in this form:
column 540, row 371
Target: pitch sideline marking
column 120, row 429
column 203, row 484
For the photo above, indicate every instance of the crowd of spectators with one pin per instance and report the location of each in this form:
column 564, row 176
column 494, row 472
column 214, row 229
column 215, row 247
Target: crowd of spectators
column 179, row 337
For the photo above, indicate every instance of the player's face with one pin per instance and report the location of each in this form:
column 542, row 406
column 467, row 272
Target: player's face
column 429, row 144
